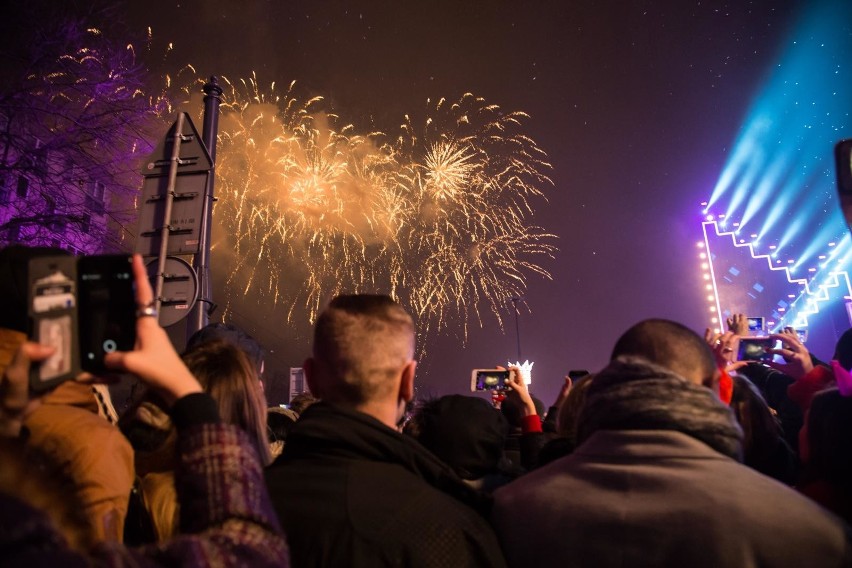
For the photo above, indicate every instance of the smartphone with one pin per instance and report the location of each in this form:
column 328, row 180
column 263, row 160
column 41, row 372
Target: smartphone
column 575, row 374
column 84, row 308
column 755, row 349
column 107, row 308
column 756, row 324
column 52, row 308
column 489, row 379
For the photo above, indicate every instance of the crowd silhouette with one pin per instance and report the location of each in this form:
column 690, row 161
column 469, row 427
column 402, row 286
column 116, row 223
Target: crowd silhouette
column 675, row 453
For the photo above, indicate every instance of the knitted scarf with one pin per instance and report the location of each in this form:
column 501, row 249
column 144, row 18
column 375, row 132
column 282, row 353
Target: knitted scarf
column 634, row 394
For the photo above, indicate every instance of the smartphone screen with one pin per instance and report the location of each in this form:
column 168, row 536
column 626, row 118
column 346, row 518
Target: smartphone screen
column 755, row 349
column 107, row 308
column 756, row 324
column 489, row 379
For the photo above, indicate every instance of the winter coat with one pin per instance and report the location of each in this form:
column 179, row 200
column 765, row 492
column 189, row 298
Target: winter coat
column 352, row 492
column 656, row 481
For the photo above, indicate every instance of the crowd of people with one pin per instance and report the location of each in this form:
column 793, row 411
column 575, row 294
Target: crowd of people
column 674, row 454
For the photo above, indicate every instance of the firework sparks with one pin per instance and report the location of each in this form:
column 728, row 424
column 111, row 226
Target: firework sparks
column 448, row 169
column 437, row 216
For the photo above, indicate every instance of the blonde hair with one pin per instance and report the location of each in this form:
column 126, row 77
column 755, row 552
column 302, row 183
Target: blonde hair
column 362, row 341
column 230, row 378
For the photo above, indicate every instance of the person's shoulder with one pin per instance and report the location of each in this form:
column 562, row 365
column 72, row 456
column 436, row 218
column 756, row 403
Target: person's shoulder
column 393, row 489
column 391, row 505
column 754, row 500
column 70, row 430
column 536, row 481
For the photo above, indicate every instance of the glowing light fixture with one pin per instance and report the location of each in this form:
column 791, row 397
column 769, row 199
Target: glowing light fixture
column 815, row 288
column 526, row 370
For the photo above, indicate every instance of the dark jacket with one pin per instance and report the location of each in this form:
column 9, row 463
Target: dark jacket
column 352, row 492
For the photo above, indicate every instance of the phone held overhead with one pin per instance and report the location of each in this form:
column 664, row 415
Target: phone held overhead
column 84, row 307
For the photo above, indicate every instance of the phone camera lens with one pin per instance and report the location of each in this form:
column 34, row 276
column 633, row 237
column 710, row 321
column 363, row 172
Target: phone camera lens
column 110, row 346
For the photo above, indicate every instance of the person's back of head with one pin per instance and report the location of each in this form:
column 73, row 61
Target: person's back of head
column 843, row 350
column 566, row 419
column 302, row 402
column 362, row 343
column 658, row 380
column 230, row 378
column 670, row 345
column 512, row 407
column 466, row 432
column 279, row 422
column 233, row 335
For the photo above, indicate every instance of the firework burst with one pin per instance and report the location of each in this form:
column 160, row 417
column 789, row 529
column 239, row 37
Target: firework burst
column 436, row 215
column 473, row 175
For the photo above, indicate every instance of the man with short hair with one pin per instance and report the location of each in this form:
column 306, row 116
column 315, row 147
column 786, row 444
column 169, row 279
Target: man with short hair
column 349, row 488
column 656, row 479
column 670, row 345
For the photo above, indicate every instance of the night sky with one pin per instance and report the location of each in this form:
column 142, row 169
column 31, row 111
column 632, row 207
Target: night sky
column 636, row 103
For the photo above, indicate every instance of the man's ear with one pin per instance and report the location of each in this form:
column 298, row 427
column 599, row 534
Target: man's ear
column 406, row 386
column 309, row 367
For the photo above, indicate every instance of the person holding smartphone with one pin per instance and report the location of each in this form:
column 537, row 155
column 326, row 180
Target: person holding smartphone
column 72, row 421
column 219, row 476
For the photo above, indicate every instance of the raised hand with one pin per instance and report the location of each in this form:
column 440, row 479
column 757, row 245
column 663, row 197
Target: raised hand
column 154, row 359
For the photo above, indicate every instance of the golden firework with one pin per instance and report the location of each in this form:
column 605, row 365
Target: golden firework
column 437, row 215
